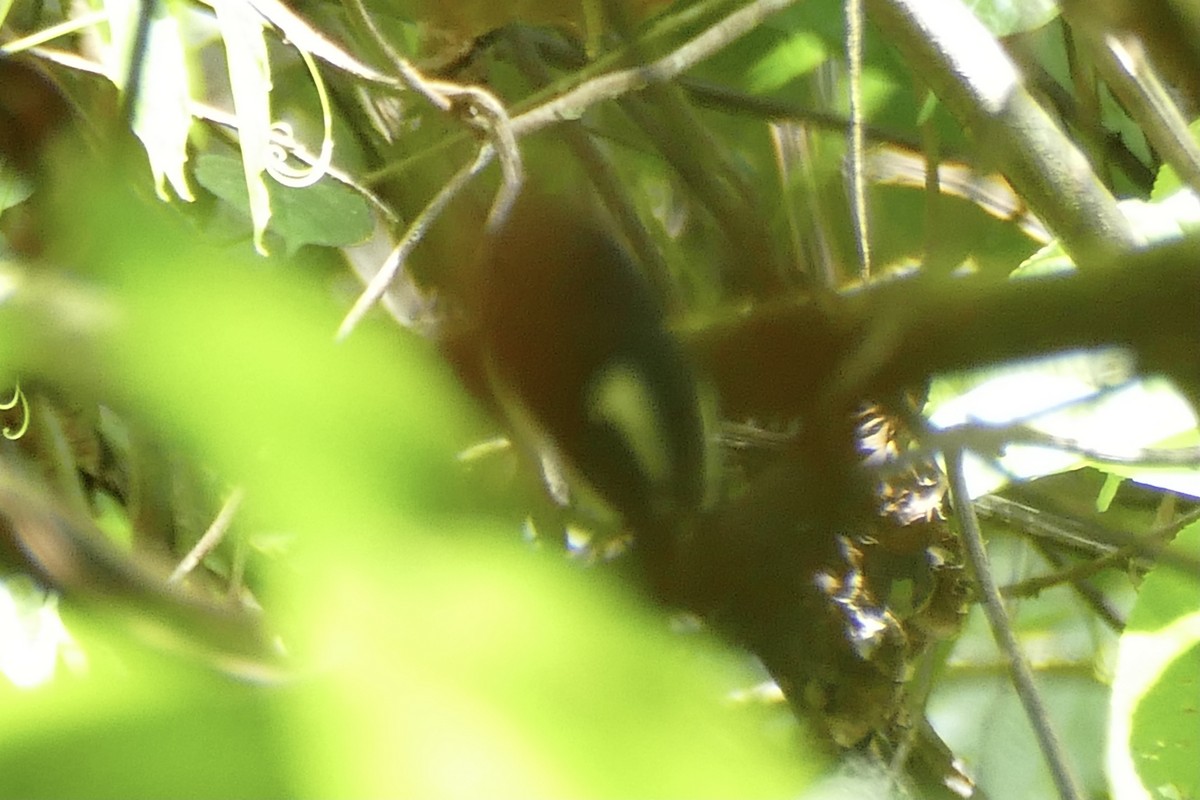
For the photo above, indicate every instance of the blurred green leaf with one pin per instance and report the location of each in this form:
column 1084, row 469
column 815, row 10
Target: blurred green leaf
column 142, row 727
column 465, row 668
column 1167, row 182
column 14, row 187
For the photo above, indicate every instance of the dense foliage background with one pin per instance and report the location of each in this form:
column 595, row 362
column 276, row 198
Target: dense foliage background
column 394, row 607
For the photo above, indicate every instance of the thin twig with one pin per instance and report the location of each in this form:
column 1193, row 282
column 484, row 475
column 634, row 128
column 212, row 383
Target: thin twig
column 211, row 538
column 1110, row 146
column 412, row 237
column 36, row 39
column 780, row 109
column 994, row 438
column 304, row 36
column 505, row 132
column 481, row 109
column 1031, row 587
column 1077, row 577
column 615, row 84
column 993, row 606
column 1064, row 532
column 612, row 85
column 1129, row 73
column 613, row 192
column 856, row 154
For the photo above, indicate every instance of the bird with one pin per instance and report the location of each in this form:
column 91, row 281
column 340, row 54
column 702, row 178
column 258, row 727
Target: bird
column 577, row 350
column 796, row 562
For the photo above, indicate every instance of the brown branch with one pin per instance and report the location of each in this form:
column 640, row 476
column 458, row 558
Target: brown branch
column 796, row 356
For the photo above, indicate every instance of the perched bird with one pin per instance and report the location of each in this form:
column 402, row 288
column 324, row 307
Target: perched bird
column 799, row 561
column 576, row 349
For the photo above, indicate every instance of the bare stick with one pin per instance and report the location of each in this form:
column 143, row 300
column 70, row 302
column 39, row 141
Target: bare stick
column 857, row 154
column 504, row 132
column 481, row 109
column 615, row 84
column 211, row 538
column 412, row 237
column 993, row 607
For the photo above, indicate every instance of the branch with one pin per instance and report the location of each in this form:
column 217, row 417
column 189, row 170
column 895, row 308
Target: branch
column 1147, row 99
column 615, row 84
column 481, row 109
column 795, row 357
column 68, row 552
column 969, row 71
column 505, row 132
column 993, row 606
column 412, row 237
column 211, row 537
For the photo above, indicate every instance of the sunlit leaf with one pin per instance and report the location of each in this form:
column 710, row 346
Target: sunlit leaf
column 14, row 188
column 162, row 116
column 31, row 633
column 791, row 56
column 1006, row 17
column 250, row 81
column 1167, row 181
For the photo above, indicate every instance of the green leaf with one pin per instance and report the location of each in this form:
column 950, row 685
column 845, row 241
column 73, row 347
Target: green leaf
column 162, row 114
column 791, row 56
column 327, row 213
column 1153, row 738
column 437, row 655
column 15, row 188
column 1167, row 182
column 1049, row 260
column 1166, row 737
